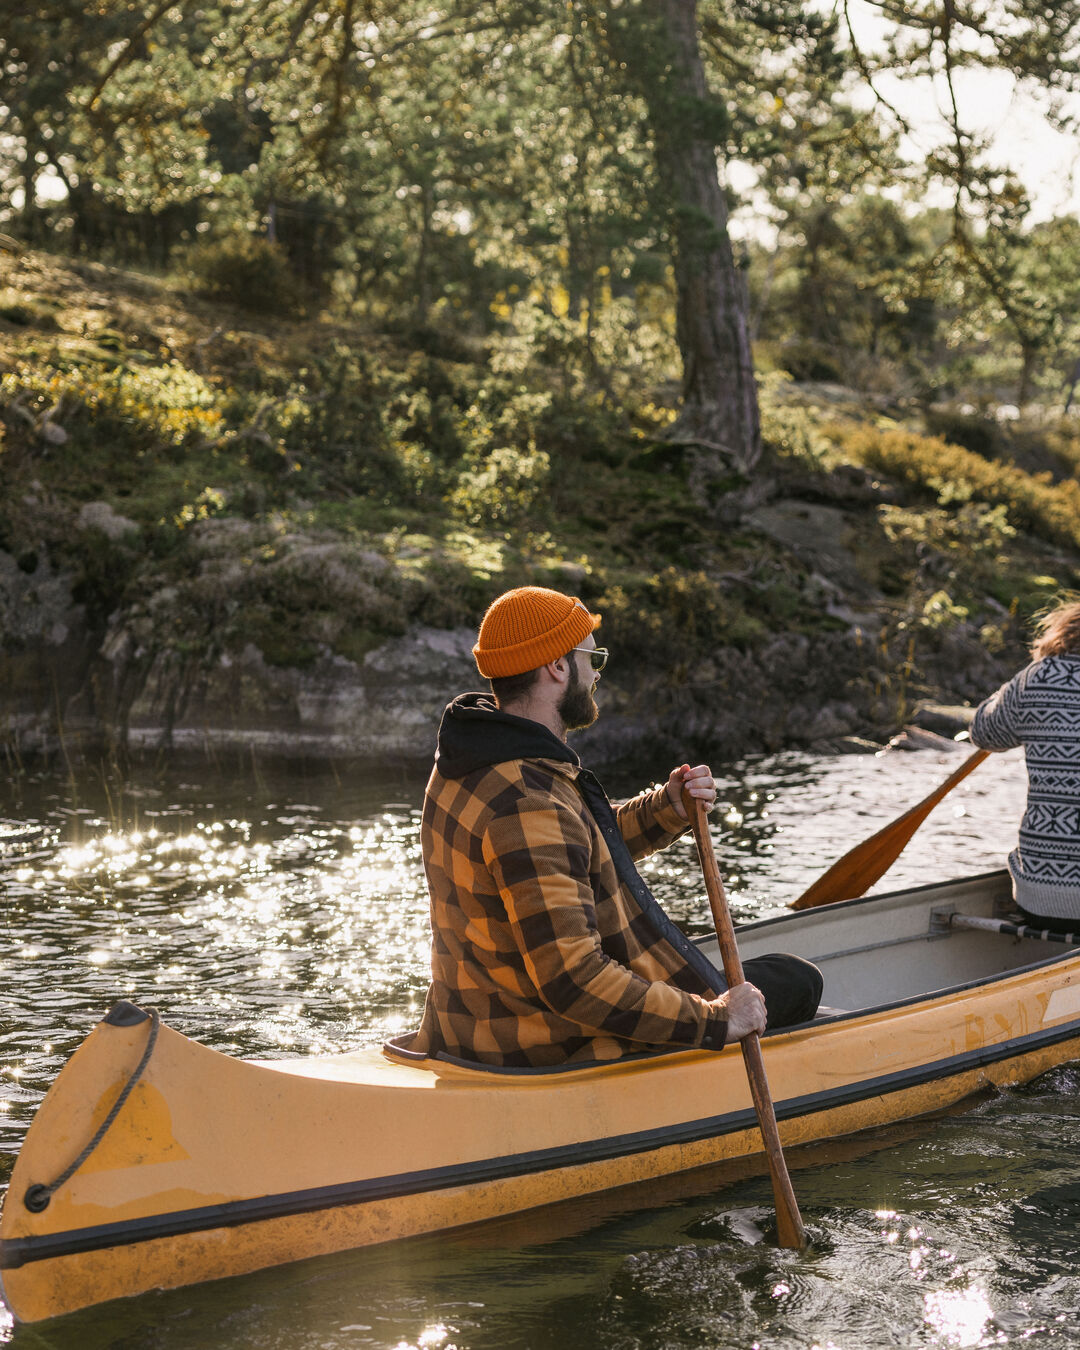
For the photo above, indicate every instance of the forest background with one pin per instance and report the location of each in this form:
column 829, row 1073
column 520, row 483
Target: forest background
column 322, row 322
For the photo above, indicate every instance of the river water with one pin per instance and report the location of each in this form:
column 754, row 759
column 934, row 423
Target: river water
column 272, row 913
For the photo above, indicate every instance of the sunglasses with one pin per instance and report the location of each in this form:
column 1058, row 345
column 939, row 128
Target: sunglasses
column 597, row 656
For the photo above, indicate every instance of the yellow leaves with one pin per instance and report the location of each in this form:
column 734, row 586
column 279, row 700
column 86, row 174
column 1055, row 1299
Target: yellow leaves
column 654, row 412
column 208, row 503
column 169, row 402
column 956, row 475
column 941, row 611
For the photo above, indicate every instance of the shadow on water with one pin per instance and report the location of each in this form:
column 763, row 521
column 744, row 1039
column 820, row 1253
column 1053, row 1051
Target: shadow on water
column 283, row 912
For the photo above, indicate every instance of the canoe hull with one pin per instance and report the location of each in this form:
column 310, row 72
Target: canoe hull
column 216, row 1167
column 51, row 1287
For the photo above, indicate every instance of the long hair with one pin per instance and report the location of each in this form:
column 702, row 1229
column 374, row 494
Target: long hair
column 1057, row 631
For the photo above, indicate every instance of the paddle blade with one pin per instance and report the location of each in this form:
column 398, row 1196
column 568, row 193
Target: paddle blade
column 859, row 868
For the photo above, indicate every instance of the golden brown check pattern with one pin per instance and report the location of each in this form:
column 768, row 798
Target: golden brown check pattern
column 539, row 955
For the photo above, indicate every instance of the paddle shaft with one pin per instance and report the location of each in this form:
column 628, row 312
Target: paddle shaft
column 789, row 1222
column 854, row 873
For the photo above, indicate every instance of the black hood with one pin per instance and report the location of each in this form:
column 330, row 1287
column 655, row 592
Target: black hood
column 474, row 734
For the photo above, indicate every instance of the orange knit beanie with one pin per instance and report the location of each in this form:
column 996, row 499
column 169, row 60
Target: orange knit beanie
column 529, row 627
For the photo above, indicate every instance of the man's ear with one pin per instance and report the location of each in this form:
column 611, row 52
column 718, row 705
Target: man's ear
column 559, row 670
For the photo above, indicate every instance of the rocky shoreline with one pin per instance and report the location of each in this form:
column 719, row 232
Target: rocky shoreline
column 73, row 687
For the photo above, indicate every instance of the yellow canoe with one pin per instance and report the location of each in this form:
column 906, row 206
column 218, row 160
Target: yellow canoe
column 213, row 1166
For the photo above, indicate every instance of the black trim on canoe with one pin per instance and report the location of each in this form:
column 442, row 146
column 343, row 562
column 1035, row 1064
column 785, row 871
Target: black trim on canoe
column 15, row 1252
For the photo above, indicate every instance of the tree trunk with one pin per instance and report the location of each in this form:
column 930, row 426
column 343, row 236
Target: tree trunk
column 1029, row 359
column 28, row 215
column 422, row 282
column 720, row 406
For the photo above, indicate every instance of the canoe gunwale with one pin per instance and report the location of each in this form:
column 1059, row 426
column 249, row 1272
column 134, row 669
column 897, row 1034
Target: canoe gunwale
column 998, row 874
column 416, row 1059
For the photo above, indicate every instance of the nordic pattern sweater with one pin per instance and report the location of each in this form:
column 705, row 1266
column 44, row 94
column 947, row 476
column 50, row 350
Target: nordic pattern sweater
column 1039, row 708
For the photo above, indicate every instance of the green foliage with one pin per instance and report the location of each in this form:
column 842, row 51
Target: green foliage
column 1039, row 444
column 972, row 430
column 134, row 410
column 502, row 489
column 955, row 476
column 974, row 533
column 672, row 617
column 806, row 359
column 796, row 434
column 951, row 558
column 317, row 487
column 247, row 270
column 27, row 311
column 454, row 194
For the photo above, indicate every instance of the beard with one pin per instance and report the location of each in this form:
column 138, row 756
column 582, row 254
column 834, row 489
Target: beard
column 577, row 707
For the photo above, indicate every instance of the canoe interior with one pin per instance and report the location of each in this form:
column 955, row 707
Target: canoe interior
column 888, row 948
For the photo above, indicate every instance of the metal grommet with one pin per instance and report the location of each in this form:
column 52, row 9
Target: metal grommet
column 37, row 1198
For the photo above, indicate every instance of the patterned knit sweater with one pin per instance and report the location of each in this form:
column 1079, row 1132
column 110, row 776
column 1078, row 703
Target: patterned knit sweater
column 1040, row 709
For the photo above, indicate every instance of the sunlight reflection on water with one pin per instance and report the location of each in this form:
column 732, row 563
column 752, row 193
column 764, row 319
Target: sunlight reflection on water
column 268, row 924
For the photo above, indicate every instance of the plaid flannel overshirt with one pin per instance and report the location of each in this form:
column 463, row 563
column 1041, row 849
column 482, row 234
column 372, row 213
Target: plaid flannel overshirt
column 540, row 955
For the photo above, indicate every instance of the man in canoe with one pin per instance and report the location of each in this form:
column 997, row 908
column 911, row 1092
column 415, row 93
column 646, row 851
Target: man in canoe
column 547, row 946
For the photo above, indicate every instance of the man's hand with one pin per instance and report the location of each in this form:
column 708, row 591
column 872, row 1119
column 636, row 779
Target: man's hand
column 745, row 1008
column 698, row 781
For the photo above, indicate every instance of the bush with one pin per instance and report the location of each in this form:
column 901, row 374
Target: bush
column 1034, row 444
column 135, row 409
column 982, row 435
column 674, row 619
column 245, row 269
column 335, row 426
column 502, row 488
column 805, row 359
column 795, row 434
column 25, row 312
column 954, row 476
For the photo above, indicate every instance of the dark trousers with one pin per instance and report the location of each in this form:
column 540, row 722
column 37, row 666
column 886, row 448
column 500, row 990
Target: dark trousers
column 791, row 987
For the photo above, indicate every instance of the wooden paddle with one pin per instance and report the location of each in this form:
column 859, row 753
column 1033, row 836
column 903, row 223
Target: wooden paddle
column 789, row 1222
column 854, row 873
